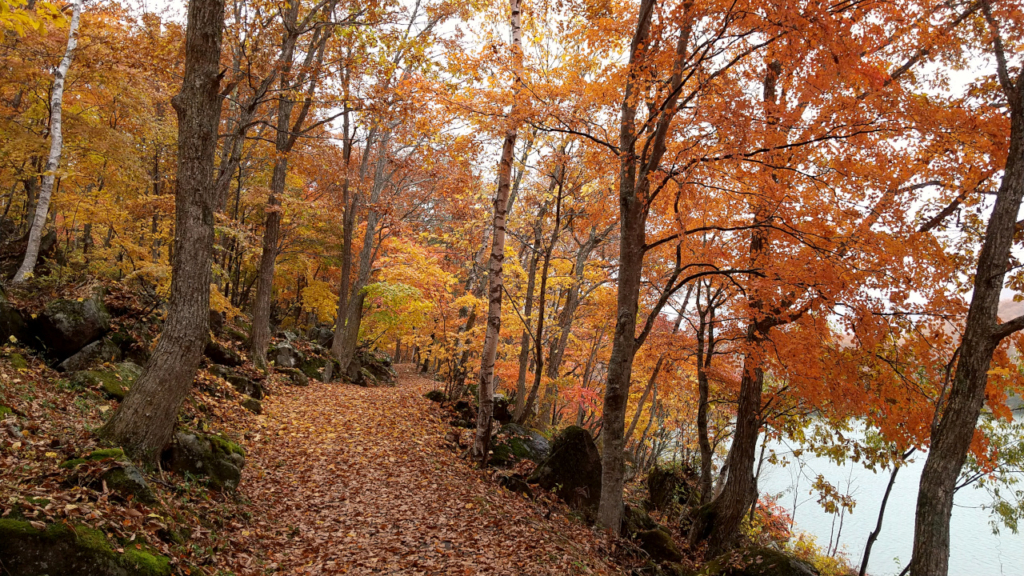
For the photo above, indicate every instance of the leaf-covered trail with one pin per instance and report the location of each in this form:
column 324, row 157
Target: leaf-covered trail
column 349, row 480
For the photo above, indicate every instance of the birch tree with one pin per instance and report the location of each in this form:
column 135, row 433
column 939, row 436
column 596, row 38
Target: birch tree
column 35, row 234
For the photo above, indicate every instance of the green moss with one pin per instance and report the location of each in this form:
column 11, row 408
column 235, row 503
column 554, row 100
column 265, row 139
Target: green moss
column 225, row 446
column 147, row 563
column 139, row 561
column 106, row 453
column 101, row 454
column 5, row 412
column 434, row 396
column 17, row 361
column 312, row 366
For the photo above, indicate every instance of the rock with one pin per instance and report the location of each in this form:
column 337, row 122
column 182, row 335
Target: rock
column 658, row 544
column 573, row 470
column 515, row 442
column 313, row 366
column 124, row 478
column 220, row 371
column 17, row 361
column 296, row 376
column 370, row 368
column 253, row 405
column 435, row 396
column 285, row 356
column 322, row 336
column 667, row 486
column 635, row 520
column 113, row 383
column 501, row 412
column 216, row 323
column 66, row 326
column 99, row 352
column 516, row 484
column 236, row 334
column 758, row 561
column 221, row 354
column 131, row 347
column 12, row 323
column 212, row 457
column 63, row 550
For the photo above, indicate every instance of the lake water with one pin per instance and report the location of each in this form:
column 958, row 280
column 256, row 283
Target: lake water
column 975, row 550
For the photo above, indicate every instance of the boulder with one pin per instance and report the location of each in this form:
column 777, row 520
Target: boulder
column 758, row 561
column 253, row 405
column 216, row 323
column 221, row 354
column 322, row 336
column 12, row 323
column 516, row 484
column 501, row 413
column 658, row 544
column 515, row 442
column 295, row 375
column 635, row 520
column 370, row 368
column 124, row 478
column 218, row 460
column 667, row 486
column 114, row 383
column 99, row 352
column 63, row 550
column 285, row 356
column 66, row 326
column 573, row 470
column 435, row 396
column 313, row 366
column 240, row 382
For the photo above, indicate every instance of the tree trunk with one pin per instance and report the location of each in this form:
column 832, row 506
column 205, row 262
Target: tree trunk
column 42, row 207
column 952, row 437
column 719, row 521
column 144, row 422
column 525, row 341
column 488, row 355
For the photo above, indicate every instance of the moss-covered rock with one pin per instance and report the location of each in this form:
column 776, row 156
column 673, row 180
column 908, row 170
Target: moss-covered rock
column 99, row 352
column 5, row 412
column 313, row 367
column 573, row 470
column 12, row 322
column 295, row 376
column 220, row 354
column 285, row 356
column 253, row 405
column 758, row 561
column 515, row 443
column 63, row 550
column 370, row 368
column 114, row 383
column 435, row 396
column 17, row 361
column 669, row 485
column 658, row 544
column 213, row 457
column 124, row 478
column 66, row 326
column 635, row 520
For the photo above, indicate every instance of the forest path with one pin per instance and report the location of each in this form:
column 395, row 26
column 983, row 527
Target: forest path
column 349, row 480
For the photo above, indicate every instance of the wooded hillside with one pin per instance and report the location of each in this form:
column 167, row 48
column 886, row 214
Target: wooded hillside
column 623, row 244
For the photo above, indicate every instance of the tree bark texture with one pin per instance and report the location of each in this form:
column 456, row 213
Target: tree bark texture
column 144, row 422
column 42, row 207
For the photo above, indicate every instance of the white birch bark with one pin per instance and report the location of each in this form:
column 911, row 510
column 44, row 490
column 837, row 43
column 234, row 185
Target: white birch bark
column 56, row 146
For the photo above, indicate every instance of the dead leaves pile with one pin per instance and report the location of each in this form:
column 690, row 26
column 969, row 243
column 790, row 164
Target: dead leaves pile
column 359, row 481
